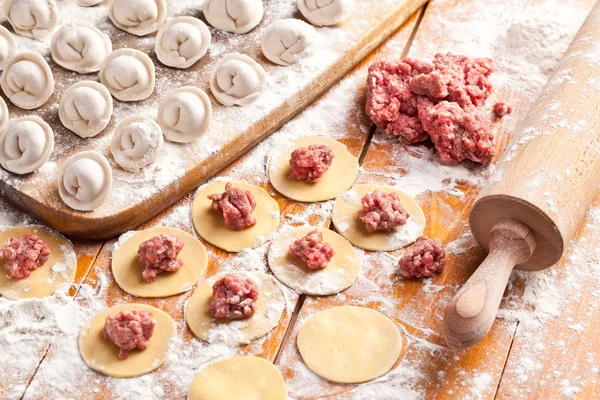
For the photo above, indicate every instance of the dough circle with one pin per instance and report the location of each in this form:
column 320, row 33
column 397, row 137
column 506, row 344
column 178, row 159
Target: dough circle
column 102, row 355
column 32, row 18
column 237, row 80
column 270, row 305
column 26, row 144
column 85, row 108
column 285, row 40
column 138, row 17
column 136, row 142
column 248, row 378
column 3, row 114
column 8, row 47
column 321, row 13
column 58, row 272
column 339, row 177
column 27, row 80
column 349, row 344
column 348, row 224
column 236, row 16
column 211, row 227
column 181, row 42
column 127, row 269
column 80, row 48
column 339, row 274
column 128, row 74
column 184, row 115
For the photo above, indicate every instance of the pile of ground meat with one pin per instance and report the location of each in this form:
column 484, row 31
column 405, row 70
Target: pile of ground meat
column 235, row 205
column 312, row 250
column 310, row 163
column 424, row 258
column 234, row 297
column 24, row 255
column 382, row 212
column 160, row 254
column 129, row 330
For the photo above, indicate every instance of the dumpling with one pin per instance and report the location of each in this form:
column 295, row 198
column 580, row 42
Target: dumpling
column 237, row 16
column 185, row 114
column 85, row 181
column 26, row 144
column 8, row 47
column 80, row 48
column 128, row 74
column 237, row 80
column 3, row 114
column 85, row 108
column 136, row 142
column 322, row 13
column 89, row 3
column 138, row 17
column 182, row 41
column 32, row 18
column 27, row 81
column 284, row 40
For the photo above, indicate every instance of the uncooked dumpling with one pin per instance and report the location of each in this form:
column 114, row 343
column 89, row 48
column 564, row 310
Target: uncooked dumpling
column 285, row 40
column 325, row 12
column 80, row 48
column 237, row 16
column 26, row 145
column 85, row 180
column 128, row 74
column 27, row 81
column 32, row 18
column 185, row 114
column 237, row 80
column 3, row 114
column 182, row 41
column 136, row 142
column 85, row 108
column 138, row 17
column 8, row 47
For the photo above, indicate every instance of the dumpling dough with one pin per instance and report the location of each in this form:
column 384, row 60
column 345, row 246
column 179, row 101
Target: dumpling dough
column 136, row 142
column 270, row 305
column 211, row 227
column 285, row 40
column 8, row 47
column 185, row 114
column 27, row 81
column 237, row 80
column 348, row 224
column 56, row 274
column 339, row 274
column 245, row 377
column 32, row 18
column 102, row 355
column 89, row 3
column 349, row 344
column 339, row 177
column 325, row 12
column 3, row 114
column 80, row 48
column 237, row 16
column 26, row 145
column 138, row 17
column 85, row 108
column 182, row 41
column 128, row 74
column 85, row 181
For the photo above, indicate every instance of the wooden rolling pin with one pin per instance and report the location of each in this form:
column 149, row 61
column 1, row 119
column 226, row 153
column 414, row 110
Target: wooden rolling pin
column 540, row 191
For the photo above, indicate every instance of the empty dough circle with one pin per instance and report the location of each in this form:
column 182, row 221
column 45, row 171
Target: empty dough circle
column 322, row 13
column 182, row 41
column 237, row 80
column 339, row 274
column 57, row 273
column 136, row 142
column 248, row 378
column 27, row 81
column 80, row 48
column 138, row 17
column 270, row 305
column 8, row 47
column 211, row 227
column 339, row 177
column 32, row 18
column 3, row 114
column 85, row 108
column 285, row 40
column 128, row 74
column 26, row 144
column 127, row 268
column 236, row 16
column 349, row 344
column 184, row 115
column 102, row 355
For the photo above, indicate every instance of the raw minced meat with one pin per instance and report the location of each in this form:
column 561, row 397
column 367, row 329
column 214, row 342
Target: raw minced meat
column 24, row 255
column 312, row 250
column 424, row 258
column 234, row 297
column 160, row 254
column 129, row 330
column 310, row 163
column 501, row 108
column 235, row 205
column 382, row 211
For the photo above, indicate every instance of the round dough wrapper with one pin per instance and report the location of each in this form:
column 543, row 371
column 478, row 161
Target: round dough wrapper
column 211, row 227
column 339, row 177
column 248, row 378
column 346, row 221
column 127, row 268
column 270, row 305
column 102, row 355
column 349, row 344
column 339, row 274
column 57, row 272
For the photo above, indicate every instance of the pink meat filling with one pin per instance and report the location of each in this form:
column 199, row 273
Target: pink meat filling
column 313, row 250
column 382, row 211
column 129, row 330
column 234, row 297
column 235, row 205
column 24, row 255
column 501, row 108
column 310, row 163
column 160, row 254
column 424, row 258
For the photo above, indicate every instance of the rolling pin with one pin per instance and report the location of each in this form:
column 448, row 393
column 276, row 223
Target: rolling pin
column 540, row 191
